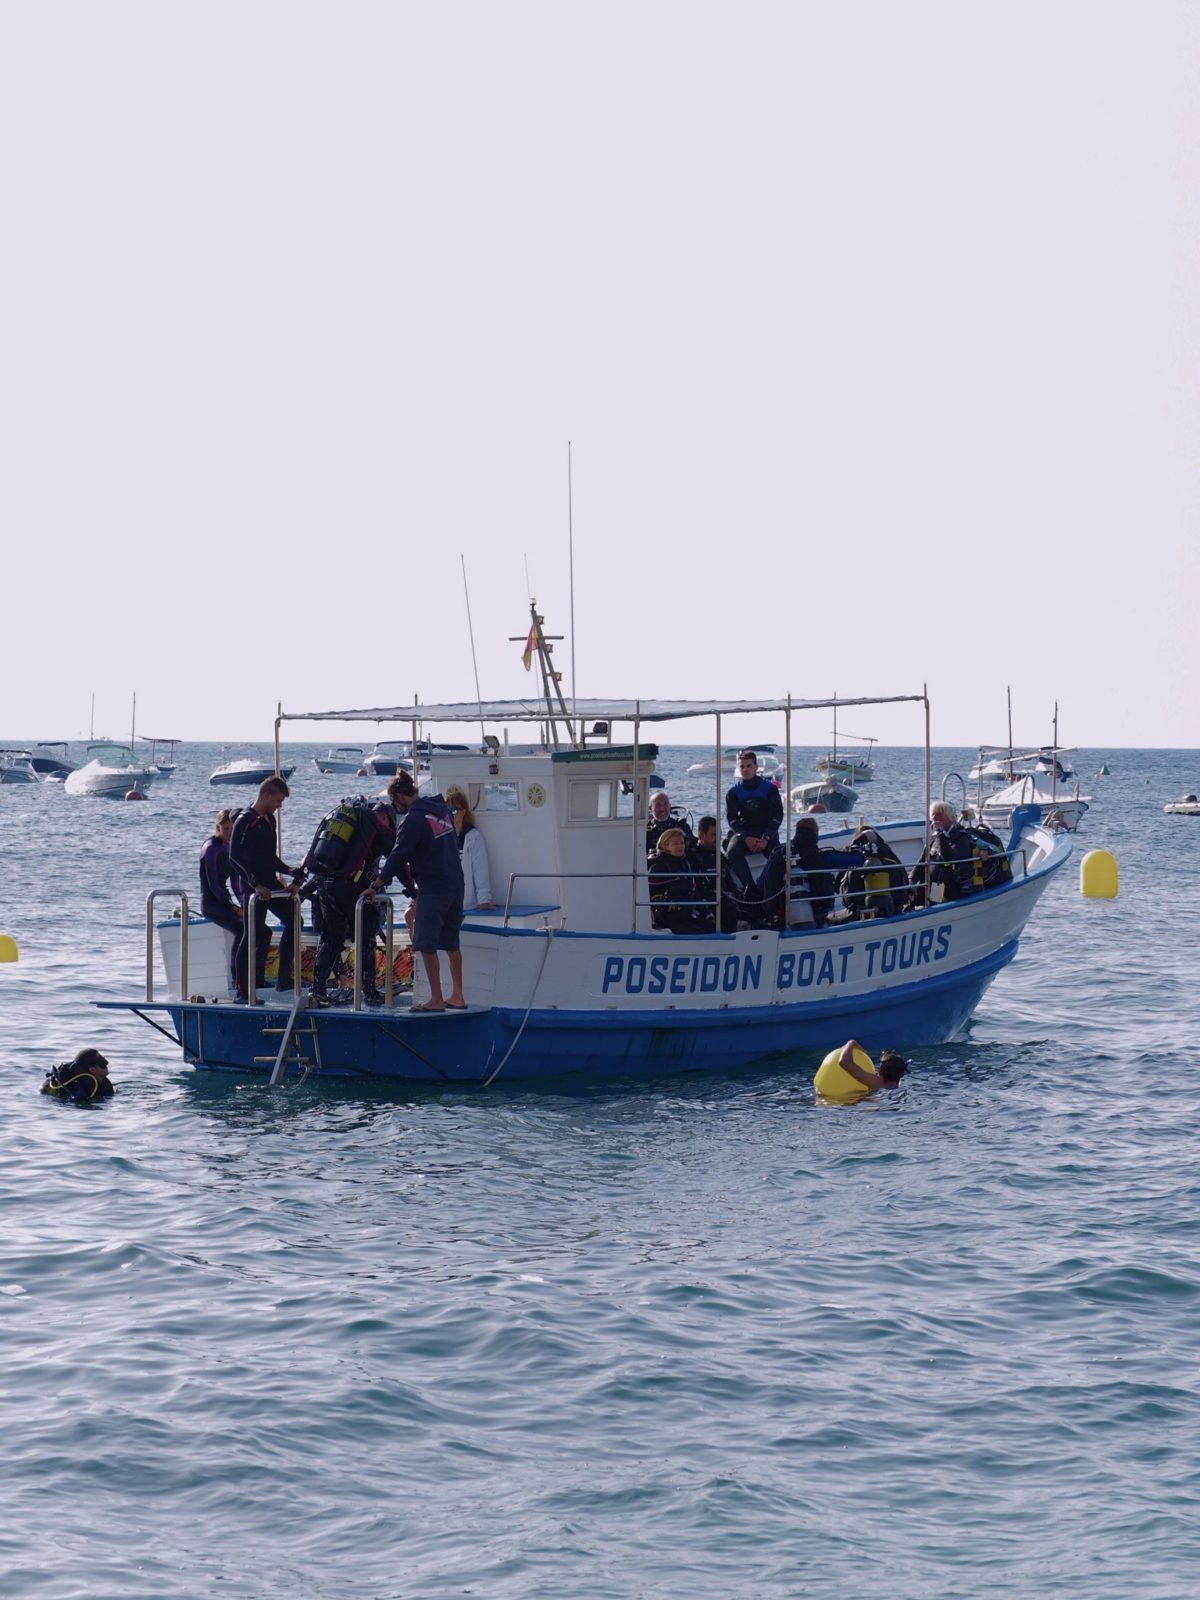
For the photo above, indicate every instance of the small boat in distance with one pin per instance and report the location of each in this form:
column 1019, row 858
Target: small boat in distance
column 1189, row 806
column 110, row 772
column 249, row 769
column 340, row 758
column 16, row 766
column 1059, row 810
column 48, row 765
column 824, row 794
column 164, row 763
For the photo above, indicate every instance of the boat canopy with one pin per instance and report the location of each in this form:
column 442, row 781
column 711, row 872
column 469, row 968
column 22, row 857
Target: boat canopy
column 592, row 710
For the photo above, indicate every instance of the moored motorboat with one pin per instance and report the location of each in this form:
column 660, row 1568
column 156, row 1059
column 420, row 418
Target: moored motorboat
column 825, row 794
column 249, row 769
column 1188, row 806
column 571, row 976
column 111, row 771
column 51, row 759
column 16, row 766
column 1061, row 810
column 341, row 758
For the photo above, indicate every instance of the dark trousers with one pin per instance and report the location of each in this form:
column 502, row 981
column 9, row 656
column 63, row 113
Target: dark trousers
column 337, row 902
column 223, row 914
column 288, row 912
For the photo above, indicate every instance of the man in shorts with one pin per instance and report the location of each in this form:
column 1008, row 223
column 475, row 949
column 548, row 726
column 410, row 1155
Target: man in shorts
column 426, row 850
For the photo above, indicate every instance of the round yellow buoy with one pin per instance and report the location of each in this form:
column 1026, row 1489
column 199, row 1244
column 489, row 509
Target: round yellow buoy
column 835, row 1085
column 8, row 948
column 1098, row 876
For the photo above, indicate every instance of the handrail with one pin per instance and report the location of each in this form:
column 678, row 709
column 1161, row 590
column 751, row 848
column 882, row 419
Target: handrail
column 367, row 898
column 183, row 942
column 251, row 924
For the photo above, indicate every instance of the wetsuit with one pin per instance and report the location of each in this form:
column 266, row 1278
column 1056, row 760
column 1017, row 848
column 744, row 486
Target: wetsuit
column 814, row 881
column 951, row 863
column 216, row 902
column 77, row 1084
column 254, row 855
column 338, row 896
column 655, row 830
column 755, row 808
column 674, row 901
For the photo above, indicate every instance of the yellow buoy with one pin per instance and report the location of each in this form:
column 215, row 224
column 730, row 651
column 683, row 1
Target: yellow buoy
column 8, row 948
column 1098, row 876
column 835, row 1085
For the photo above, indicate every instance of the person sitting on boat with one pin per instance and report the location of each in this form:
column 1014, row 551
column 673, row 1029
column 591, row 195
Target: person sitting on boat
column 217, row 903
column 472, row 853
column 814, row 881
column 848, row 1075
column 337, row 893
column 951, row 859
column 877, row 887
column 674, row 901
column 705, row 859
column 754, row 812
column 254, row 856
column 82, row 1081
column 663, row 816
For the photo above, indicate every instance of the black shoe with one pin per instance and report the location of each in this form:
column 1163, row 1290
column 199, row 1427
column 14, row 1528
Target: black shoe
column 318, row 1002
column 373, row 999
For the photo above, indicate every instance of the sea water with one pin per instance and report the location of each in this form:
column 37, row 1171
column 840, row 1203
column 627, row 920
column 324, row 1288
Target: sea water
column 697, row 1338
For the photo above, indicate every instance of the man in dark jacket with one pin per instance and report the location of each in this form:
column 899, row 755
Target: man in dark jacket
column 254, row 856
column 951, row 860
column 754, row 811
column 811, row 893
column 427, row 846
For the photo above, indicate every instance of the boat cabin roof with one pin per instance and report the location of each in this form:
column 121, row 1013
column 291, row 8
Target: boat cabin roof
column 617, row 710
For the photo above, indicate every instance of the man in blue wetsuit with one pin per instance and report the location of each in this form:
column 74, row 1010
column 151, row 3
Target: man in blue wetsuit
column 427, row 847
column 754, row 812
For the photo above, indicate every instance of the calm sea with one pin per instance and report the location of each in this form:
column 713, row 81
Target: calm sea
column 698, row 1339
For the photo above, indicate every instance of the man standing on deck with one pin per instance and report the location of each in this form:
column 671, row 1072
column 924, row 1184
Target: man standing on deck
column 254, row 856
column 427, row 846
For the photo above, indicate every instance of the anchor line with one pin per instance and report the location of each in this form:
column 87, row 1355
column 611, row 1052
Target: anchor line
column 487, row 1083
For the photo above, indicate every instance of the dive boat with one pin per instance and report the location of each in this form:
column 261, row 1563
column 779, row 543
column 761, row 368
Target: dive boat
column 16, row 766
column 111, row 771
column 1189, row 806
column 340, row 758
column 249, row 769
column 569, row 978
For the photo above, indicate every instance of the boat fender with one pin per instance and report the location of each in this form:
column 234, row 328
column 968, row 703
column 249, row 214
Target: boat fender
column 834, row 1084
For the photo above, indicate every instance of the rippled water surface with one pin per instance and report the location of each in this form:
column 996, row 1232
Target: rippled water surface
column 697, row 1339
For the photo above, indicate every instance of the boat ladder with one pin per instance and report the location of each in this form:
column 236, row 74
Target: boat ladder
column 289, row 1050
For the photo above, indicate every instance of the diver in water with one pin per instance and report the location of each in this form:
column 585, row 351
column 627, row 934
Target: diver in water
column 82, row 1081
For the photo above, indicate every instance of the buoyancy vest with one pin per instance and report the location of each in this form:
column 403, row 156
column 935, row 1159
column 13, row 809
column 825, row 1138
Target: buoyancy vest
column 342, row 837
column 77, row 1084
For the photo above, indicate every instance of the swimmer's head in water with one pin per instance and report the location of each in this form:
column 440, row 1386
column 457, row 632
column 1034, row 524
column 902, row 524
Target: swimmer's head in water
column 892, row 1067
column 90, row 1061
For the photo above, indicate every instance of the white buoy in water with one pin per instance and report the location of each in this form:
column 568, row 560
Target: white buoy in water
column 1098, row 876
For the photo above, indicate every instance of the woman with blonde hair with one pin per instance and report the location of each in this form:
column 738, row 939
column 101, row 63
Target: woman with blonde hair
column 472, row 852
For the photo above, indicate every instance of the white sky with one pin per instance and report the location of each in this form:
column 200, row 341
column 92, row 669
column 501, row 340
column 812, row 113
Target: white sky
column 873, row 328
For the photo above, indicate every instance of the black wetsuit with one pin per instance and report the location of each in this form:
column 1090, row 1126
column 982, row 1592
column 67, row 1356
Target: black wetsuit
column 254, row 855
column 338, row 897
column 216, row 902
column 77, row 1084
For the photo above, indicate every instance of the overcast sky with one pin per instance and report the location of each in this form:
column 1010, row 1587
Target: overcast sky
column 873, row 328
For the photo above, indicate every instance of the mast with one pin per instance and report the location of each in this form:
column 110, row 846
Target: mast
column 542, row 645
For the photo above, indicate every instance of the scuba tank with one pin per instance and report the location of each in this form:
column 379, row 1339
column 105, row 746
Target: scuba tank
column 333, row 842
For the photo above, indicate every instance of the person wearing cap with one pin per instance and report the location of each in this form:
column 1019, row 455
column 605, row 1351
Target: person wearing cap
column 83, row 1080
column 950, row 860
column 848, row 1075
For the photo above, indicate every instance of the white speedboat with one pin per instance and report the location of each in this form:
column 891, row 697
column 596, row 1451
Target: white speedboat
column 1189, row 806
column 16, row 766
column 1059, row 809
column 769, row 764
column 111, row 771
column 341, row 758
column 824, row 794
column 249, row 769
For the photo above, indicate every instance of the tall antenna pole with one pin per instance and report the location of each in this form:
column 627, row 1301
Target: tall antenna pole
column 133, row 722
column 571, row 549
column 471, row 633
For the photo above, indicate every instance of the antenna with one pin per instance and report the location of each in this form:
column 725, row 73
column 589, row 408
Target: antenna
column 133, row 723
column 528, row 586
column 471, row 634
column 571, row 564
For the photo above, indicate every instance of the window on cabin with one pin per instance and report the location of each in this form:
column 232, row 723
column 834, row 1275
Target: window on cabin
column 592, row 800
column 501, row 797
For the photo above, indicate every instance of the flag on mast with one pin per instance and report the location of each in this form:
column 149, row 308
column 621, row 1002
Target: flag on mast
column 530, row 646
